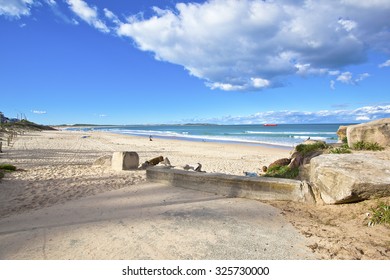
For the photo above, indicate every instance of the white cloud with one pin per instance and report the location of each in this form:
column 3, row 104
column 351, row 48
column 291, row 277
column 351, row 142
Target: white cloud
column 362, row 77
column 345, row 78
column 51, row 2
column 15, row 8
column 231, row 43
column 325, row 116
column 385, row 64
column 39, row 112
column 88, row 14
column 111, row 16
column 362, row 118
column 348, row 25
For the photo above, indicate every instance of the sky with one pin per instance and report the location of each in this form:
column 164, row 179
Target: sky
column 215, row 61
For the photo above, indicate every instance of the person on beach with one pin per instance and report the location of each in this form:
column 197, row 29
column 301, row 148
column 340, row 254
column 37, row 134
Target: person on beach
column 150, row 138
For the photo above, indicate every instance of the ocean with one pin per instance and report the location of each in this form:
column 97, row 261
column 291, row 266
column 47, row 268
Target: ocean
column 285, row 135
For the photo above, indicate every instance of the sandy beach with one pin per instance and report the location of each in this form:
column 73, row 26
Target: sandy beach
column 57, row 166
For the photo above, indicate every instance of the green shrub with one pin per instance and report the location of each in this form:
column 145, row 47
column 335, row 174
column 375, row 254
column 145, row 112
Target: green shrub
column 345, row 140
column 361, row 145
column 305, row 149
column 380, row 215
column 340, row 150
column 7, row 167
column 282, row 172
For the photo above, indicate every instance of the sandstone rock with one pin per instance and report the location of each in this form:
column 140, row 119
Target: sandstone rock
column 343, row 178
column 156, row 160
column 103, row 161
column 280, row 162
column 342, row 133
column 125, row 160
column 375, row 131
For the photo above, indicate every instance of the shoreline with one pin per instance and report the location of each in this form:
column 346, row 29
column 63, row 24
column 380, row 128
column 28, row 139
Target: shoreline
column 216, row 141
column 284, row 137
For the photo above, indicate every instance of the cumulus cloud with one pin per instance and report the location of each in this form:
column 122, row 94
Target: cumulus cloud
column 88, row 14
column 349, row 79
column 362, row 114
column 15, row 8
column 254, row 44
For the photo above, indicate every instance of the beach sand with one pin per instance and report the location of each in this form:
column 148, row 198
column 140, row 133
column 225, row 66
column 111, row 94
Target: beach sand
column 57, row 166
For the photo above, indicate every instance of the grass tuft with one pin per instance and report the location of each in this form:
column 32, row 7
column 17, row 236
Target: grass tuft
column 361, row 145
column 7, row 167
column 305, row 149
column 282, row 172
column 380, row 214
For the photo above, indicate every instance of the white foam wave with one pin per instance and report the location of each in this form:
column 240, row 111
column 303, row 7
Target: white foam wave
column 290, row 132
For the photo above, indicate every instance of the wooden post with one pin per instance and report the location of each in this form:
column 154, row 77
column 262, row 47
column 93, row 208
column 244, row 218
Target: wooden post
column 1, row 147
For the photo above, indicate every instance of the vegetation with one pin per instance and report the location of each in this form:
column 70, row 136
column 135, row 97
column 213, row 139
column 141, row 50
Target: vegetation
column 380, row 214
column 361, row 145
column 7, row 167
column 24, row 125
column 282, row 172
column 305, row 149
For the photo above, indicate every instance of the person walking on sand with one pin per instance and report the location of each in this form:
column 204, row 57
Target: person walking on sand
column 150, row 138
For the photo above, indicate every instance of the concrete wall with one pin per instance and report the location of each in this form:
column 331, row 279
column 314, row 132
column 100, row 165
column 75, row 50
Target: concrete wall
column 261, row 188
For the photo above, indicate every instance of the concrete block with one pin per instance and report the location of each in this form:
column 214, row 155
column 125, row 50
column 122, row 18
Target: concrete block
column 260, row 188
column 125, row 161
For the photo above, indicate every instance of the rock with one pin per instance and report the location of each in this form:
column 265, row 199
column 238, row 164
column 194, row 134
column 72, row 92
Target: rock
column 125, row 160
column 376, row 131
column 344, row 178
column 280, row 162
column 342, row 133
column 156, row 160
column 103, row 161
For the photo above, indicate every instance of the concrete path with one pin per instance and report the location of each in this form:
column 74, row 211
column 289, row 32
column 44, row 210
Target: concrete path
column 152, row 221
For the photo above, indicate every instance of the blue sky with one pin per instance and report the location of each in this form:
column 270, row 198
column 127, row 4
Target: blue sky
column 166, row 61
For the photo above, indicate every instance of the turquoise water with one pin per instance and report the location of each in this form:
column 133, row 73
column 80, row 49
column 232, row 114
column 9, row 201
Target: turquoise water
column 287, row 135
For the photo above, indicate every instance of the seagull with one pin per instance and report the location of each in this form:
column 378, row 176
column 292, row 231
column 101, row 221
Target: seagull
column 198, row 169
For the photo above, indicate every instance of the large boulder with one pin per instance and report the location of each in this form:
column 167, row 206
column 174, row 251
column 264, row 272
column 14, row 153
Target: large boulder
column 375, row 131
column 342, row 133
column 343, row 178
column 125, row 161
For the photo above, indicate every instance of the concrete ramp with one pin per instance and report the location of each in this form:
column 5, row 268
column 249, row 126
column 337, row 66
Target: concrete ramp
column 153, row 221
